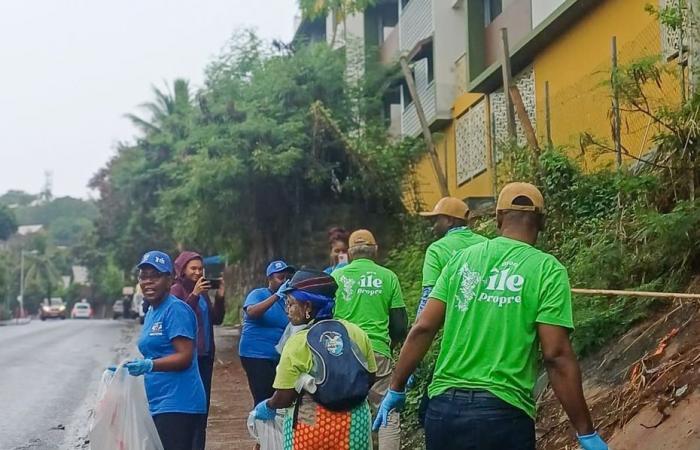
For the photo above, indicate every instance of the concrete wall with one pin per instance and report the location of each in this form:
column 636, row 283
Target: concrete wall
column 425, row 180
column 449, row 23
column 577, row 66
column 517, row 18
column 541, row 9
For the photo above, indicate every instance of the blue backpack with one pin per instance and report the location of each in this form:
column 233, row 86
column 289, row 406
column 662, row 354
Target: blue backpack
column 339, row 367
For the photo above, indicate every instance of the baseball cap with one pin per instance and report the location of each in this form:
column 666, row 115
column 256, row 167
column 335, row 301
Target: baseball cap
column 448, row 206
column 361, row 237
column 511, row 191
column 312, row 281
column 278, row 266
column 158, row 260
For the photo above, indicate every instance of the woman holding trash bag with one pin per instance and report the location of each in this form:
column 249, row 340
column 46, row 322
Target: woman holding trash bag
column 191, row 287
column 174, row 388
column 326, row 371
column 264, row 322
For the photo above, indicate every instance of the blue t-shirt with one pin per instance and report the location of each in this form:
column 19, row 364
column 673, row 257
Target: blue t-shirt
column 260, row 336
column 171, row 392
column 204, row 310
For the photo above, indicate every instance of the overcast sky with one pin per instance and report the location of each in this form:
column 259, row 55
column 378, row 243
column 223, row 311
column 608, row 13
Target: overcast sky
column 70, row 70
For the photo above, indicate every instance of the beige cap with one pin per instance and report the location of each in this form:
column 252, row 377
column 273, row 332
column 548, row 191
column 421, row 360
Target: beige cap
column 449, row 206
column 511, row 191
column 361, row 237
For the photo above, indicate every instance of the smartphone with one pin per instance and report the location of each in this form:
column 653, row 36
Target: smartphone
column 214, row 282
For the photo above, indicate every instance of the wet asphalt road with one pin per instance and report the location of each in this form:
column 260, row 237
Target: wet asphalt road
column 49, row 373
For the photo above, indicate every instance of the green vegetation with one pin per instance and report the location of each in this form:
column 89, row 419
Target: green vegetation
column 275, row 148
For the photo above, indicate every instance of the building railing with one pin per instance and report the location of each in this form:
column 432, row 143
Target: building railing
column 415, row 23
column 410, row 123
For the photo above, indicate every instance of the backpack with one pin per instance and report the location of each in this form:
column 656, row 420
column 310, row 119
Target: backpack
column 339, row 368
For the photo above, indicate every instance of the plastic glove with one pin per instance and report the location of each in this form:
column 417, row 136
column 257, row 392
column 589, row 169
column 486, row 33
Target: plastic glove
column 139, row 367
column 393, row 401
column 592, row 441
column 264, row 412
column 279, row 292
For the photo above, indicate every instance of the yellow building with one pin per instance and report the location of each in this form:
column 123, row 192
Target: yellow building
column 564, row 43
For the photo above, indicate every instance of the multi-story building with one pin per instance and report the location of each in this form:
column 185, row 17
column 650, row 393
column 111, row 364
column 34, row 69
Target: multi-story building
column 455, row 50
column 565, row 44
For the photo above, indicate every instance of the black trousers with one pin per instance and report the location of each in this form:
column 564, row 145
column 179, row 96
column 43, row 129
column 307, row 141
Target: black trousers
column 206, row 370
column 177, row 430
column 261, row 376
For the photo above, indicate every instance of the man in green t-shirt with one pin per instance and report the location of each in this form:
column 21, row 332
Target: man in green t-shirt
column 449, row 216
column 369, row 296
column 497, row 302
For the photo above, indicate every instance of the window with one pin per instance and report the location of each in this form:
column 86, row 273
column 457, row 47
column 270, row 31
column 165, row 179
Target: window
column 492, row 9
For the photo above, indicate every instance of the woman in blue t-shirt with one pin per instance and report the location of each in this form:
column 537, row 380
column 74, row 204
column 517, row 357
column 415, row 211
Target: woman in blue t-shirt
column 264, row 321
column 174, row 388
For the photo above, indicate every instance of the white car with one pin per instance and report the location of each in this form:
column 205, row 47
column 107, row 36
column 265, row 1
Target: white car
column 81, row 310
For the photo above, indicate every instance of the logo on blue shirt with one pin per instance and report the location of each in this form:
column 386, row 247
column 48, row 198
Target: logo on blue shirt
column 156, row 329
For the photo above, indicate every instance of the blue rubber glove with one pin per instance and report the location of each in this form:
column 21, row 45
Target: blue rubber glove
column 282, row 288
column 263, row 412
column 592, row 441
column 393, row 401
column 139, row 366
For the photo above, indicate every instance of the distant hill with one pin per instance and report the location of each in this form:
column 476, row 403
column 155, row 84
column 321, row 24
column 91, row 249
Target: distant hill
column 66, row 218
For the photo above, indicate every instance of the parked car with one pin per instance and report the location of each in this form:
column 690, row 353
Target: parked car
column 118, row 309
column 81, row 310
column 53, row 309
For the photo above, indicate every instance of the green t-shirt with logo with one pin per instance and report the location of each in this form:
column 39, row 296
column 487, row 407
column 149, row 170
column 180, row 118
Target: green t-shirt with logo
column 495, row 294
column 366, row 292
column 442, row 250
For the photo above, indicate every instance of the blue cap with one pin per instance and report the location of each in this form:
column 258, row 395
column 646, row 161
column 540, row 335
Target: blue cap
column 278, row 266
column 158, row 260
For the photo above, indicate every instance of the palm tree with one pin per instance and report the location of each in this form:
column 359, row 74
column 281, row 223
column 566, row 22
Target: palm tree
column 168, row 103
column 42, row 272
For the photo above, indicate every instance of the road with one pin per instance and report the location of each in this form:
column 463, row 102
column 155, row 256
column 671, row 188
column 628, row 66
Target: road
column 49, row 373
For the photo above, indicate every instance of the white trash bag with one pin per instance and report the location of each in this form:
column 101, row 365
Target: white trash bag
column 122, row 420
column 268, row 433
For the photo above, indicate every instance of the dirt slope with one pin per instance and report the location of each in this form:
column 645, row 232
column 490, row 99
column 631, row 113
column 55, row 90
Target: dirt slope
column 642, row 389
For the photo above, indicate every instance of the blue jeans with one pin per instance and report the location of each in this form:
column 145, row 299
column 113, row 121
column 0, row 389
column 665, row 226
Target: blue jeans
column 476, row 420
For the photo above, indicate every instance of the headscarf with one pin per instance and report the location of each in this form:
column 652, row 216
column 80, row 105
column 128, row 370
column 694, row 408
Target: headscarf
column 322, row 303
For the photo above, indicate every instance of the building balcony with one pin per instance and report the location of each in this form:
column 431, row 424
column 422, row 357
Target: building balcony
column 416, row 24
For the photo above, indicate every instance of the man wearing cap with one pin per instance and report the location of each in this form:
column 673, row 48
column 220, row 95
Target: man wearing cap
column 369, row 296
column 264, row 321
column 497, row 302
column 449, row 216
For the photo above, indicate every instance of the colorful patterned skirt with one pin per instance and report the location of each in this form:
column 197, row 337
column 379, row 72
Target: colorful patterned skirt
column 317, row 428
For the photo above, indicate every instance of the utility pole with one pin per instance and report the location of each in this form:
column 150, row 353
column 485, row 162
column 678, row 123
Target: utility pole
column 617, row 120
column 21, row 284
column 427, row 136
column 507, row 82
column 694, row 44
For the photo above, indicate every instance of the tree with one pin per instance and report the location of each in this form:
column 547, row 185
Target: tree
column 8, row 222
column 339, row 9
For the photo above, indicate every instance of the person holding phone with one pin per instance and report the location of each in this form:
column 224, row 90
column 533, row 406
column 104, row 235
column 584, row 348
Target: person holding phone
column 174, row 389
column 193, row 288
column 264, row 322
column 338, row 242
